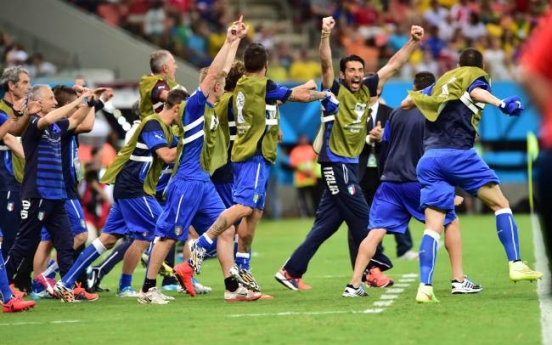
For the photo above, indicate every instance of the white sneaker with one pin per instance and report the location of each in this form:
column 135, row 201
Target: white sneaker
column 127, row 292
column 242, row 294
column 466, row 286
column 409, row 255
column 351, row 291
column 153, row 296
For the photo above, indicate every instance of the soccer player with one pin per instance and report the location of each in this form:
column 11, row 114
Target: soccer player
column 453, row 111
column 191, row 196
column 397, row 198
column 72, row 174
column 135, row 173
column 16, row 84
column 343, row 139
column 11, row 302
column 254, row 151
column 43, row 190
column 154, row 88
column 536, row 78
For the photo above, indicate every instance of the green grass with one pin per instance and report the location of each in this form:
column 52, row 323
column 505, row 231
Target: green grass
column 504, row 313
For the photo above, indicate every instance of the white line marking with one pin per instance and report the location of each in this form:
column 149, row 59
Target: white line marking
column 372, row 311
column 410, row 275
column 406, row 280
column 394, row 290
column 389, row 296
column 37, row 323
column 383, row 303
column 543, row 287
column 400, row 285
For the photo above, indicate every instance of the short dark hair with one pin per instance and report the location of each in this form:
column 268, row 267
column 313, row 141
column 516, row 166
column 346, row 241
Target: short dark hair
column 255, row 57
column 175, row 97
column 343, row 61
column 471, row 57
column 235, row 73
column 64, row 94
column 423, row 80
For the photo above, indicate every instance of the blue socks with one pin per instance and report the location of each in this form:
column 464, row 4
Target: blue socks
column 87, row 257
column 125, row 281
column 428, row 255
column 4, row 283
column 242, row 260
column 204, row 242
column 507, row 233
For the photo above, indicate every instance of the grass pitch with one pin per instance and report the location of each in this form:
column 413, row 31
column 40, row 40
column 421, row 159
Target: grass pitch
column 503, row 313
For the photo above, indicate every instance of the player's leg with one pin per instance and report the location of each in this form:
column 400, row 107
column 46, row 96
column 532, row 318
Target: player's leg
column 10, row 302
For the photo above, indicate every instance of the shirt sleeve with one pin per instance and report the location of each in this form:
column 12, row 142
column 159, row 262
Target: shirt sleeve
column 152, row 135
column 372, row 84
column 3, row 117
column 32, row 131
column 275, row 92
column 156, row 91
column 481, row 83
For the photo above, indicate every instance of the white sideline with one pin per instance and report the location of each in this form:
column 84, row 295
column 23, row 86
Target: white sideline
column 37, row 323
column 385, row 300
column 543, row 285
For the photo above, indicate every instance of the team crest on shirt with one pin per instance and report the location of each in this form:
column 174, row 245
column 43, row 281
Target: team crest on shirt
column 178, row 230
column 10, row 206
column 351, row 188
column 41, row 216
column 255, row 197
column 83, row 223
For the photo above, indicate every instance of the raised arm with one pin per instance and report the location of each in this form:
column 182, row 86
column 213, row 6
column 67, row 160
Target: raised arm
column 401, row 57
column 59, row 113
column 325, row 52
column 227, row 52
column 15, row 145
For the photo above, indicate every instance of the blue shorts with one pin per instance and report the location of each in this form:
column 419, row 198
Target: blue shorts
column 225, row 191
column 76, row 219
column 395, row 203
column 250, row 180
column 135, row 217
column 441, row 170
column 188, row 202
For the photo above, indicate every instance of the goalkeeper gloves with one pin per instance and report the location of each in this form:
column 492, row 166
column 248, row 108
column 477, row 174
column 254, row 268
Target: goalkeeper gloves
column 511, row 106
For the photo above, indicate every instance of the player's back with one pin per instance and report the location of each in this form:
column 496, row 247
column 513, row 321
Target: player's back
column 455, row 128
column 404, row 133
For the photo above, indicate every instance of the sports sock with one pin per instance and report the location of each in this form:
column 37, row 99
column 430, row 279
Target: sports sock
column 114, row 258
column 242, row 260
column 507, row 233
column 428, row 255
column 4, row 283
column 148, row 284
column 91, row 253
column 125, row 281
column 231, row 284
column 51, row 270
column 204, row 242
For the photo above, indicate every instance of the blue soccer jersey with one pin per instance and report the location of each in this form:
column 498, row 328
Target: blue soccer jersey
column 43, row 174
column 326, row 155
column 71, row 164
column 7, row 178
column 456, row 126
column 403, row 137
column 189, row 166
column 130, row 181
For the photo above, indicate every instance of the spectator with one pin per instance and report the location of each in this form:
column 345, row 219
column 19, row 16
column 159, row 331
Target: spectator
column 154, row 20
column 304, row 68
column 496, row 60
column 39, row 68
column 302, row 159
column 447, row 28
column 474, row 28
column 436, row 14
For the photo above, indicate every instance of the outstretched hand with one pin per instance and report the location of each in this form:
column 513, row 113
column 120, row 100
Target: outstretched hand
column 237, row 30
column 328, row 24
column 511, row 106
column 416, row 32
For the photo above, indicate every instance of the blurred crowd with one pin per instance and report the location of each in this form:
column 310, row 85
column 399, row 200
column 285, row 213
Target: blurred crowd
column 373, row 29
column 13, row 53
